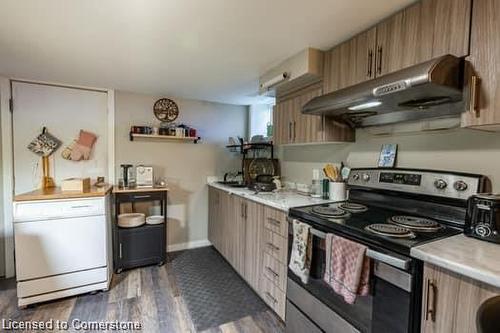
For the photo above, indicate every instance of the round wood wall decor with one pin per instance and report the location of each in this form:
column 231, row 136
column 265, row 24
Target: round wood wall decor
column 166, row 109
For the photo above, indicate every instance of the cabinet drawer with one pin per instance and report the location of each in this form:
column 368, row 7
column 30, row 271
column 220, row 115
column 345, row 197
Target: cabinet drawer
column 275, row 245
column 55, row 209
column 273, row 296
column 140, row 196
column 276, row 221
column 275, row 271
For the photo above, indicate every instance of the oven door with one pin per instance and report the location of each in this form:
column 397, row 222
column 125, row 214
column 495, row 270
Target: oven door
column 391, row 306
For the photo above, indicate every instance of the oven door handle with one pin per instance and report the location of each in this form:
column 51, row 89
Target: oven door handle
column 391, row 260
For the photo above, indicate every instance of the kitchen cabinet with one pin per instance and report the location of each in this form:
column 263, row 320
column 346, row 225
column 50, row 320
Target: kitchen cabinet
column 420, row 32
column 483, row 83
column 351, row 62
column 143, row 245
column 450, row 301
column 253, row 238
column 293, row 127
column 423, row 31
column 252, row 241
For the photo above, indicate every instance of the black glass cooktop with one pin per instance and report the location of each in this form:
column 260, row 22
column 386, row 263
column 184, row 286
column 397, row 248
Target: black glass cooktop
column 353, row 226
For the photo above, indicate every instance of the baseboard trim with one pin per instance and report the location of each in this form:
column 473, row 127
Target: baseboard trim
column 188, row 245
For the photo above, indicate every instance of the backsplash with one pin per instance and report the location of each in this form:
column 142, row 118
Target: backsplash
column 454, row 150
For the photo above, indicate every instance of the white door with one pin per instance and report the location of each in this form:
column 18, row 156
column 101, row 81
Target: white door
column 64, row 111
column 45, row 248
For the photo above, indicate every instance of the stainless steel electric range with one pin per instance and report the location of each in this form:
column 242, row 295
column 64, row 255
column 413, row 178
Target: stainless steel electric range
column 390, row 211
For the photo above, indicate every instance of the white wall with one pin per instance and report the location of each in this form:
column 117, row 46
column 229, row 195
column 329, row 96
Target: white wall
column 457, row 149
column 64, row 111
column 185, row 166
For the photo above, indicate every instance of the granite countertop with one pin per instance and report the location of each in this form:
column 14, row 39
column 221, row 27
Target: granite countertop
column 280, row 200
column 56, row 193
column 467, row 256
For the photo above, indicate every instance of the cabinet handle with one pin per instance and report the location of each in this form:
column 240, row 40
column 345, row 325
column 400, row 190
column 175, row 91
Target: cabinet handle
column 379, row 55
column 370, row 63
column 289, row 131
column 430, row 303
column 270, row 297
column 241, row 210
column 474, row 83
column 246, row 211
column 273, row 273
column 294, row 131
column 141, row 196
column 120, row 250
column 80, row 206
column 274, row 221
column 273, row 247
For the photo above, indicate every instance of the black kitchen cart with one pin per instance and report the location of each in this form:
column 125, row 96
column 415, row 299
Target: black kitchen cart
column 143, row 245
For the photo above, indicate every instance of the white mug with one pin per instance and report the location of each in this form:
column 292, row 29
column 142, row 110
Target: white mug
column 338, row 191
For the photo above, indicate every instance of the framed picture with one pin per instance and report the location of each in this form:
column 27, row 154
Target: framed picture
column 387, row 157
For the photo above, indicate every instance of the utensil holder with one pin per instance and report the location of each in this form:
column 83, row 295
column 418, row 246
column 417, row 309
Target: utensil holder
column 338, row 191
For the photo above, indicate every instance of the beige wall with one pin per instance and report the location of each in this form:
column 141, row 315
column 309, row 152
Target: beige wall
column 185, row 166
column 456, row 149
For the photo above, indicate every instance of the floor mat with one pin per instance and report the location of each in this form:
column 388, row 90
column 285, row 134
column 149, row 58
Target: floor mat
column 214, row 293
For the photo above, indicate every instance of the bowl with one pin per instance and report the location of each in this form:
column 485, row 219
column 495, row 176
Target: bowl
column 155, row 219
column 131, row 220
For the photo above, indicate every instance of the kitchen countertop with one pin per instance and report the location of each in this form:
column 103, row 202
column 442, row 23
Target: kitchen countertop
column 281, row 200
column 56, row 193
column 466, row 256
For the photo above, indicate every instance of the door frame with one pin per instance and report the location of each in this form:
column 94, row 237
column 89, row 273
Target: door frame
column 8, row 155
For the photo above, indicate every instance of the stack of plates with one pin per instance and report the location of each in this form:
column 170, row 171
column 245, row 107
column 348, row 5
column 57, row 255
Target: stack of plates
column 155, row 219
column 131, row 220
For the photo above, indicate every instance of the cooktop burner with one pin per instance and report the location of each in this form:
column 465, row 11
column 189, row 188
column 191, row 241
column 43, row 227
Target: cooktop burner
column 415, row 223
column 330, row 211
column 390, row 230
column 353, row 207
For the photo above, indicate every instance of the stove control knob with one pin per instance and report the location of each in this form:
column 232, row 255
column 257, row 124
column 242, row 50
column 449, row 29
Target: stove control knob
column 460, row 185
column 355, row 176
column 440, row 184
column 483, row 230
column 366, row 177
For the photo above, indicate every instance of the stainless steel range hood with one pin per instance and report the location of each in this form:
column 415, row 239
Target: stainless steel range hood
column 432, row 89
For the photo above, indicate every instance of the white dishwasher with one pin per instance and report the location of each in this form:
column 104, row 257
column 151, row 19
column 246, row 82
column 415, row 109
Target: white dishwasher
column 62, row 248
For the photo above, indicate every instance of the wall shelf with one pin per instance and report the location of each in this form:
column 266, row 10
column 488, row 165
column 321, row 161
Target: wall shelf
column 165, row 137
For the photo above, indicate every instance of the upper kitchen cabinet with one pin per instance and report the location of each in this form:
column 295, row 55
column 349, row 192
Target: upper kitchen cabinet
column 423, row 31
column 293, row 127
column 350, row 62
column 483, row 83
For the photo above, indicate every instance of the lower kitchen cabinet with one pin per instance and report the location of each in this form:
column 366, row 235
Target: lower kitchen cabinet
column 253, row 239
column 450, row 301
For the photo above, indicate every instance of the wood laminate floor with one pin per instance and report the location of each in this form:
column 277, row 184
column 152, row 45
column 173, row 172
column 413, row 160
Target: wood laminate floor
column 148, row 295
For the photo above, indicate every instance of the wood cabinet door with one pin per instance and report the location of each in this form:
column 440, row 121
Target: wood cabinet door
column 212, row 216
column 351, row 62
column 253, row 250
column 307, row 128
column 423, row 31
column 484, row 97
column 282, row 122
column 450, row 301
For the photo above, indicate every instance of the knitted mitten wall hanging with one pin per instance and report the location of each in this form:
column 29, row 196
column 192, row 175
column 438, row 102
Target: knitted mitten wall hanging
column 81, row 148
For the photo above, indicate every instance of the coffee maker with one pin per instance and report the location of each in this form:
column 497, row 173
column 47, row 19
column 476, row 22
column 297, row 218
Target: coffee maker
column 127, row 176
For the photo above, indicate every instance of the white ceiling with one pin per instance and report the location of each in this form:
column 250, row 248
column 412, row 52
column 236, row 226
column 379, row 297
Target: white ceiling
column 203, row 49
